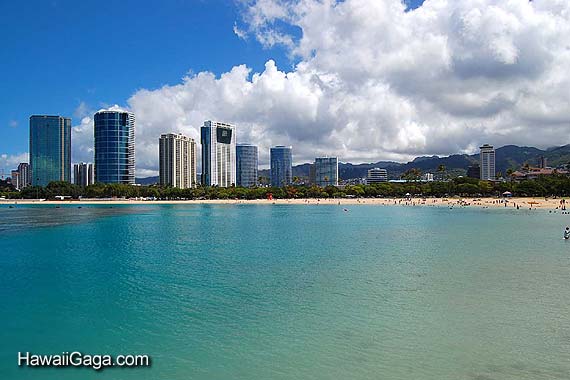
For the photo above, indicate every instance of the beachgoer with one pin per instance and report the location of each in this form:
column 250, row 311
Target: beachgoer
column 567, row 233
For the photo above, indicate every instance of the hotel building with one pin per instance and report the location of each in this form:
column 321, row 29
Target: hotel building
column 487, row 164
column 114, row 147
column 83, row 174
column 177, row 160
column 326, row 171
column 281, row 165
column 50, row 149
column 218, row 154
column 377, row 175
column 246, row 165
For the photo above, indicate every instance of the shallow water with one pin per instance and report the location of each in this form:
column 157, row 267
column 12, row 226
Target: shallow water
column 288, row 291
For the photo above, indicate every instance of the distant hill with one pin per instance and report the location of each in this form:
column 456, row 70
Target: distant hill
column 147, row 180
column 509, row 156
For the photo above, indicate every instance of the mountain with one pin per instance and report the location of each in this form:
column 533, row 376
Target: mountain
column 508, row 156
column 558, row 156
column 147, row 180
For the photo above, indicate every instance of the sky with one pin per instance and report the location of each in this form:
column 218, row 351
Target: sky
column 364, row 80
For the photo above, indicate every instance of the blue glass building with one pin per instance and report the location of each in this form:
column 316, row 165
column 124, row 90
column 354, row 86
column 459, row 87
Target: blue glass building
column 246, row 165
column 50, row 149
column 326, row 171
column 281, row 165
column 114, row 147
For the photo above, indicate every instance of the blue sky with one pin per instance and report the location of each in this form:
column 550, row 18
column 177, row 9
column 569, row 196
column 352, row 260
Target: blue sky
column 57, row 54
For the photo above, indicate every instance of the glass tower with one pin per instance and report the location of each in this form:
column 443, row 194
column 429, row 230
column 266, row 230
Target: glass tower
column 281, row 165
column 218, row 154
column 114, row 147
column 246, row 165
column 326, row 171
column 50, row 149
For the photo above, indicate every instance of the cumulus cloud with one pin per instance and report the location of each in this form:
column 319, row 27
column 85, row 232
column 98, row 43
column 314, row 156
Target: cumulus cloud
column 375, row 81
column 10, row 161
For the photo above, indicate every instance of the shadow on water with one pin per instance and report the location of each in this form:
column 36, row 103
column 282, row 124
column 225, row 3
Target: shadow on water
column 25, row 217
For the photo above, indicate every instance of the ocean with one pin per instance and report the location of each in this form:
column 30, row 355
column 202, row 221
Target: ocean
column 287, row 291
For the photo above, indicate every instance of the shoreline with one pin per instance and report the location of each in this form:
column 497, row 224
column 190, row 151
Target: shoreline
column 522, row 203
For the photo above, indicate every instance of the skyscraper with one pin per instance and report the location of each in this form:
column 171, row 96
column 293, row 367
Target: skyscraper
column 50, row 149
column 114, row 147
column 83, row 174
column 177, row 160
column 487, row 157
column 281, row 165
column 218, row 154
column 377, row 175
column 25, row 176
column 246, row 165
column 326, row 171
column 14, row 178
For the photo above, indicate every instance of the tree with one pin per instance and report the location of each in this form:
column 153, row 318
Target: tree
column 485, row 187
column 412, row 174
column 441, row 170
column 510, row 172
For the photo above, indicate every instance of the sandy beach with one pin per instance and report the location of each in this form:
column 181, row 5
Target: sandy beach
column 522, row 203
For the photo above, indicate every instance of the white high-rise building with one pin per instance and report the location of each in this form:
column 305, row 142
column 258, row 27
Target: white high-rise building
column 377, row 175
column 218, row 154
column 25, row 176
column 177, row 160
column 83, row 174
column 487, row 157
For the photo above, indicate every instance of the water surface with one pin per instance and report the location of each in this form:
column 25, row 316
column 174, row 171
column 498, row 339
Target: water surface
column 288, row 291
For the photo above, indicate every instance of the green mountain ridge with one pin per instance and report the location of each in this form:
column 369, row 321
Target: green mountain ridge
column 506, row 157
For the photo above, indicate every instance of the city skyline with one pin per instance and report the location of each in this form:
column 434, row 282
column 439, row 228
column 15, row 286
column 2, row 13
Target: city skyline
column 425, row 97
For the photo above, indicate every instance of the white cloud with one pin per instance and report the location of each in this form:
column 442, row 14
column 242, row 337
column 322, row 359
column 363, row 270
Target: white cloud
column 375, row 82
column 10, row 162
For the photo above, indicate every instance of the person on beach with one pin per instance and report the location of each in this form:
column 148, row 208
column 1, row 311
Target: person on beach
column 567, row 233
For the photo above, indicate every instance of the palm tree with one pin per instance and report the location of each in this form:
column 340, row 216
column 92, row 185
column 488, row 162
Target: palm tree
column 441, row 170
column 510, row 172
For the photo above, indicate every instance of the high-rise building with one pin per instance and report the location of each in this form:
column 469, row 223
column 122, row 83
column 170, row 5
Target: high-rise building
column 114, row 147
column 326, row 171
column 542, row 162
column 24, row 177
column 487, row 162
column 312, row 174
column 50, row 149
column 377, row 175
column 281, row 165
column 177, row 160
column 246, row 165
column 14, row 178
column 83, row 174
column 218, row 154
column 474, row 171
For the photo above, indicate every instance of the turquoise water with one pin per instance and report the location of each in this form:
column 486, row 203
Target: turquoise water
column 287, row 292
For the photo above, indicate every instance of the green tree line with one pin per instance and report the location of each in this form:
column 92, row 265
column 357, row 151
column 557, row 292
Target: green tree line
column 555, row 185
